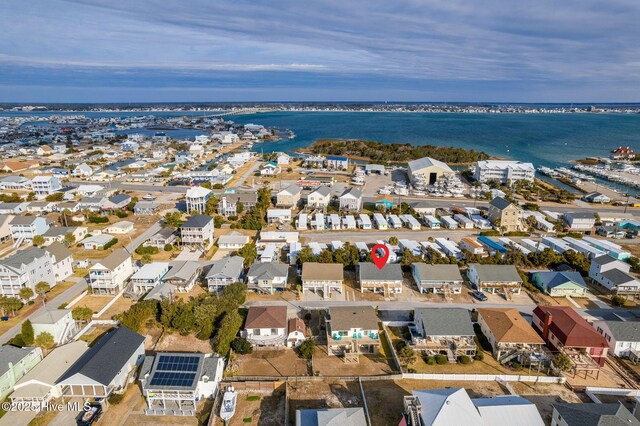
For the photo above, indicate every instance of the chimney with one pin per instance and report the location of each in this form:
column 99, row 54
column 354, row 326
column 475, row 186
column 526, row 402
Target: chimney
column 546, row 324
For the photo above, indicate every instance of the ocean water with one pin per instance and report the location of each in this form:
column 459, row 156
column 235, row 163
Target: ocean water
column 544, row 139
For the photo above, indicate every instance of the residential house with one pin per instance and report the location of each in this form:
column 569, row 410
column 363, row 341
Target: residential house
column 96, row 242
column 353, row 416
column 270, row 169
column 174, row 382
column 581, row 414
column 149, row 276
column 233, row 241
column 182, row 277
column 45, row 185
column 323, row 277
column 160, row 239
column 62, row 260
column 25, row 268
column 283, row 159
column 505, row 215
column 108, row 275
column 223, row 272
column 351, row 331
column 106, row 368
column 560, row 283
column 443, row 330
column 268, row 276
column 564, row 330
column 623, row 153
column 12, row 183
column 278, row 216
column 58, row 234
column 266, row 326
column 580, row 221
column 338, row 163
column 623, row 337
column 445, row 279
column 197, row 231
column 27, row 227
column 5, row 229
column 120, row 228
column 452, row 406
column 57, row 322
column 289, row 197
column 40, row 207
column 510, row 335
column 384, row 202
column 13, row 208
column 472, row 245
column 495, row 278
column 613, row 274
column 83, row 170
column 14, row 364
column 297, row 332
column 117, row 202
column 38, row 385
column 319, row 198
column 387, row 280
column 351, row 200
column 145, row 208
column 197, row 198
column 93, row 204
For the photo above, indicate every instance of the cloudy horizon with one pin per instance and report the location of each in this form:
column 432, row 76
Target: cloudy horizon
column 408, row 50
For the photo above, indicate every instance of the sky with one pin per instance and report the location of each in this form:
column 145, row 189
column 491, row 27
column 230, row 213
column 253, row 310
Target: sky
column 320, row 50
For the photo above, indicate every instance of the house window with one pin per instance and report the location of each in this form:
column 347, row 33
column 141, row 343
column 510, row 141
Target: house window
column 256, row 331
column 274, row 331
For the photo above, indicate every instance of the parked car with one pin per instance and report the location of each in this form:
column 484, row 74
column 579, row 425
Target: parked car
column 90, row 416
column 479, row 295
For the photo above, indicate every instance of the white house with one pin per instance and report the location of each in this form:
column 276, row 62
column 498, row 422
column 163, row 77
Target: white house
column 108, row 275
column 197, row 198
column 320, row 198
column 224, row 272
column 296, row 332
column 149, row 276
column 25, row 268
column 233, row 241
column 27, row 227
column 613, row 274
column 504, row 171
column 122, row 227
column 269, row 276
column 62, row 260
column 266, row 326
column 45, row 185
column 623, row 337
column 57, row 322
column 198, row 230
column 351, row 199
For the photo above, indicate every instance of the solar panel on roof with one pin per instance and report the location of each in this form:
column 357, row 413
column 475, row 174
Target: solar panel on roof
column 172, row 379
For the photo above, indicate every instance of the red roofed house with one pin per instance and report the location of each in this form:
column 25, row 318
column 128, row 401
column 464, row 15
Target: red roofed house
column 564, row 330
column 266, row 326
column 622, row 153
column 297, row 333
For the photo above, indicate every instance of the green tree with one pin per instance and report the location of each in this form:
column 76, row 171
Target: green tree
column 136, row 317
column 9, row 305
column 25, row 293
column 41, row 288
column 82, row 313
column 305, row 255
column 173, row 219
column 241, row 346
column 239, row 207
column 617, row 300
column 38, row 240
column 408, row 258
column 69, row 239
column 27, row 333
column 183, row 319
column 562, row 362
column 44, row 340
column 635, row 263
column 31, row 196
column 232, row 297
column 407, row 355
column 326, row 256
column 58, row 196
column 393, row 240
column 205, row 316
column 249, row 253
column 229, row 328
column 146, row 258
column 307, row 348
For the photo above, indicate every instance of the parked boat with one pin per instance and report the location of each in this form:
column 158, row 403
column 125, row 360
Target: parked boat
column 229, row 400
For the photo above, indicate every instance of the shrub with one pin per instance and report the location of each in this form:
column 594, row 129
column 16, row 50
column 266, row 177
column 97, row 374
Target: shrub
column 441, row 359
column 241, row 346
column 617, row 300
column 431, row 360
column 401, row 344
column 253, row 397
column 116, row 398
column 98, row 219
column 121, row 214
column 110, row 244
column 307, row 348
column 168, row 247
column 147, row 250
column 516, row 365
column 464, row 359
column 491, row 233
column 479, row 356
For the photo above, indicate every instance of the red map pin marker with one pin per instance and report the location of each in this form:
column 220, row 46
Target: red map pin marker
column 378, row 260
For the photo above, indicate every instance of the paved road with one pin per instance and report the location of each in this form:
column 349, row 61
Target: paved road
column 373, row 236
column 70, row 293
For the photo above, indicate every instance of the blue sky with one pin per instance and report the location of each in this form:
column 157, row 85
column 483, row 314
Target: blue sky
column 404, row 50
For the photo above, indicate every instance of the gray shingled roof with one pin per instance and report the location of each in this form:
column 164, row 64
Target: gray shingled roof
column 617, row 277
column 114, row 259
column 596, row 414
column 445, row 321
column 354, row 192
column 49, row 316
column 228, row 266
column 104, row 360
column 11, row 354
column 197, row 221
column 23, row 257
column 625, row 331
column 117, row 199
column 605, row 259
column 58, row 251
column 500, row 203
column 423, row 162
column 268, row 271
column 497, row 273
column 323, row 190
column 438, row 273
column 369, row 271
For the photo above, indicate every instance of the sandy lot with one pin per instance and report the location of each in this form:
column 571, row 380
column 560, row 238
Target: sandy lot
column 283, row 362
column 177, row 343
column 322, row 394
column 266, row 410
column 332, row 366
